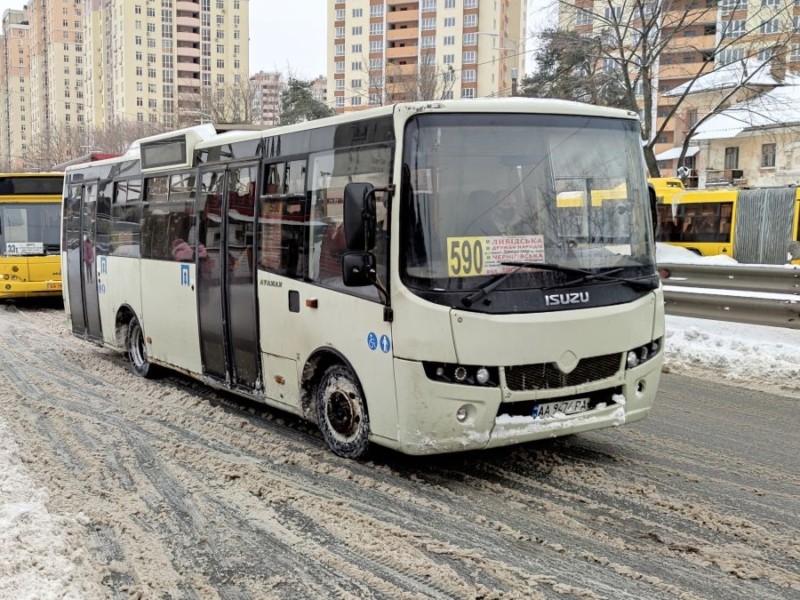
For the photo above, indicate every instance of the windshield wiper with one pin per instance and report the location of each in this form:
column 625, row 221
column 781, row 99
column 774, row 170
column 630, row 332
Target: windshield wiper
column 487, row 289
column 645, row 282
column 638, row 283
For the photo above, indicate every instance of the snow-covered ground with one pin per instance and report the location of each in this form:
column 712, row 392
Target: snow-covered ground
column 38, row 560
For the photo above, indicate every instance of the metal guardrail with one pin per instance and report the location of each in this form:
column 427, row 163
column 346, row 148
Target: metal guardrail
column 758, row 295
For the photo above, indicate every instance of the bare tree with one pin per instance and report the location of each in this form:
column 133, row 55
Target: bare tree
column 425, row 80
column 638, row 38
column 224, row 103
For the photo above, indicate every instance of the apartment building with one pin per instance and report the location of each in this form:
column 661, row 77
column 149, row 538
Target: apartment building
column 153, row 61
column 384, row 51
column 267, row 89
column 15, row 89
column 700, row 36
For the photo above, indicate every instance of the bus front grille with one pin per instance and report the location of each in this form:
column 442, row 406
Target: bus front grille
column 547, row 376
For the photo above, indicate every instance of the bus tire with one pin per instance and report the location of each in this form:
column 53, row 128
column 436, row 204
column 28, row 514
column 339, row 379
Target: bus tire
column 137, row 351
column 342, row 412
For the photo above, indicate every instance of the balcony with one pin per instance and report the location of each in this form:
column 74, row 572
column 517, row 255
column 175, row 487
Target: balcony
column 403, row 16
column 188, row 6
column 406, row 33
column 188, row 22
column 187, row 51
column 401, row 52
column 187, row 36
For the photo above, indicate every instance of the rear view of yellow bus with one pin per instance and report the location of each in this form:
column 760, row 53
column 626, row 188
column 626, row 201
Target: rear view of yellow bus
column 30, row 225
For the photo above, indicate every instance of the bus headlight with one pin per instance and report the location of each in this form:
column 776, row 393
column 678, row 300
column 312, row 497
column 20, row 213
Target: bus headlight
column 462, row 374
column 642, row 354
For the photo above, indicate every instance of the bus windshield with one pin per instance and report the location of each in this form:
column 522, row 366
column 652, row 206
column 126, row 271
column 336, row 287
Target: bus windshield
column 479, row 191
column 30, row 229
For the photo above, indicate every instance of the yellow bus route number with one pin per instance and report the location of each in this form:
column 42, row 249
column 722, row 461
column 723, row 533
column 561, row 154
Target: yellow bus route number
column 465, row 256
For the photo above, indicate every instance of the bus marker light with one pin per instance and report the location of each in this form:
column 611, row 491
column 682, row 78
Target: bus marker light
column 664, row 273
column 15, row 268
column 149, row 340
column 279, row 379
column 311, row 302
column 462, row 414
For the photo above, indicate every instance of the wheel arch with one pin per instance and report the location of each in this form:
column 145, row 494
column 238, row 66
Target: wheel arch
column 125, row 314
column 319, row 361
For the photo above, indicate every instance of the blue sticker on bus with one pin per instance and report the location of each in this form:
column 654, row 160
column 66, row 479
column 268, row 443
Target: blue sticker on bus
column 386, row 345
column 372, row 340
column 103, row 265
column 185, row 275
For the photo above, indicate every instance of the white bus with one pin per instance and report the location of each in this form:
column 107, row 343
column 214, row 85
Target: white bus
column 404, row 276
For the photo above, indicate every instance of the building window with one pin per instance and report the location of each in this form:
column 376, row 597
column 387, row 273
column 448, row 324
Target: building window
column 770, row 26
column 355, row 101
column 376, row 10
column 468, row 93
column 355, row 84
column 356, row 48
column 584, row 17
column 376, row 28
column 450, row 22
column 731, row 157
column 428, row 24
column 449, row 59
column 340, row 14
column 470, row 39
column 339, row 32
column 468, row 75
column 358, row 13
column 765, row 54
column 358, row 30
column 449, row 40
column 470, row 57
column 768, row 156
column 471, row 20
column 376, row 46
column 734, row 29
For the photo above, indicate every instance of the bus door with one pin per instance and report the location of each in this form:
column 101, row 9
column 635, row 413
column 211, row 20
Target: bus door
column 226, row 276
column 81, row 230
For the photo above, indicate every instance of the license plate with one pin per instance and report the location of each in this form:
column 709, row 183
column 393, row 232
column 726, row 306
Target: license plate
column 53, row 286
column 563, row 407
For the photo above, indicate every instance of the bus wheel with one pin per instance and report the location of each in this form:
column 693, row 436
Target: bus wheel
column 342, row 413
column 137, row 351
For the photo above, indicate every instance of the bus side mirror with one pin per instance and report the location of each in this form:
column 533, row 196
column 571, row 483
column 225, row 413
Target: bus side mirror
column 359, row 216
column 358, row 269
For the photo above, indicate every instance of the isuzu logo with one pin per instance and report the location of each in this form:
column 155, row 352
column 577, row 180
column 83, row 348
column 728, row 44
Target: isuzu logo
column 564, row 299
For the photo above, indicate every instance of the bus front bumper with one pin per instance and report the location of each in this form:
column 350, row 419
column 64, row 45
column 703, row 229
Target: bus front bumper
column 429, row 411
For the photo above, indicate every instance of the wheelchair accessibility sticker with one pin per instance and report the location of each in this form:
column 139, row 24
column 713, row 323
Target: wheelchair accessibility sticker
column 384, row 343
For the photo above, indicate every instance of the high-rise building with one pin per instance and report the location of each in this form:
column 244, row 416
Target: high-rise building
column 695, row 37
column 155, row 60
column 384, row 51
column 15, row 112
column 267, row 88
column 71, row 68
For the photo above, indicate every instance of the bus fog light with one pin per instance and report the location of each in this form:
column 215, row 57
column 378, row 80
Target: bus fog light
column 440, row 371
column 482, row 375
column 462, row 414
column 633, row 360
column 654, row 347
column 460, row 373
column 5, row 276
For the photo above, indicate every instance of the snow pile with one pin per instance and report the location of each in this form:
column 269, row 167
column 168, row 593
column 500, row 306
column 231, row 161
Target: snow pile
column 42, row 553
column 676, row 255
column 747, row 355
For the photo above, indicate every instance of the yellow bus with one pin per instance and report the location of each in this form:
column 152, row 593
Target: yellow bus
column 30, row 230
column 758, row 226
